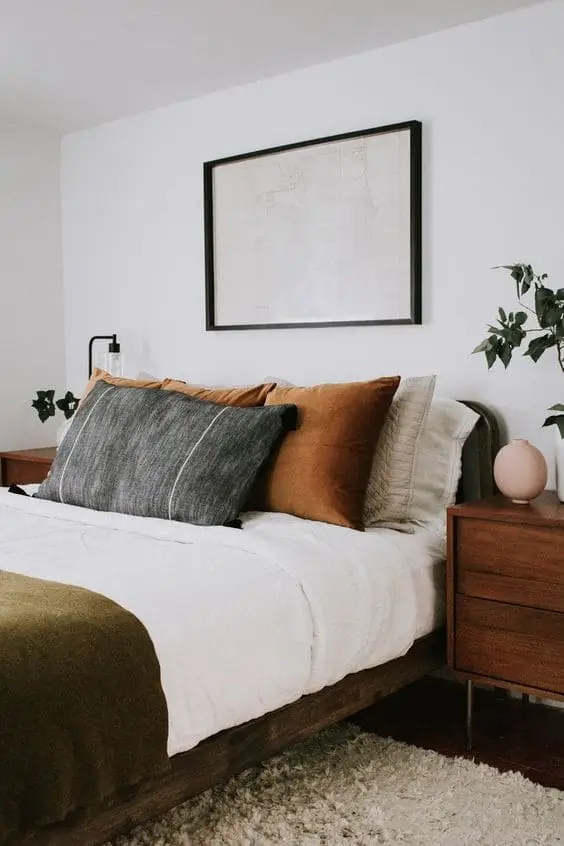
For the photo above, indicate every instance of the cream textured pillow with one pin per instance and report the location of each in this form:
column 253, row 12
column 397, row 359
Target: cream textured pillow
column 390, row 487
column 438, row 462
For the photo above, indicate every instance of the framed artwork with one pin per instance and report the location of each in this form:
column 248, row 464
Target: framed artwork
column 321, row 233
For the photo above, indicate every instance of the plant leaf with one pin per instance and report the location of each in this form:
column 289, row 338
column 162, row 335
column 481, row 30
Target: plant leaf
column 44, row 405
column 483, row 346
column 516, row 272
column 502, row 315
column 505, row 352
column 517, row 275
column 549, row 312
column 521, row 318
column 556, row 420
column 491, row 355
column 538, row 346
column 527, row 279
column 516, row 335
column 68, row 404
column 558, row 407
column 553, row 315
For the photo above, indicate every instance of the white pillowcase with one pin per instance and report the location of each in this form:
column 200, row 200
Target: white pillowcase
column 391, row 484
column 438, row 461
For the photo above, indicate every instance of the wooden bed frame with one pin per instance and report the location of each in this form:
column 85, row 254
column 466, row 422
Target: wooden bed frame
column 219, row 757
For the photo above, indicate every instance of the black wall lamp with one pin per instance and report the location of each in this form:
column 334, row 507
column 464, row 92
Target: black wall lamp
column 113, row 362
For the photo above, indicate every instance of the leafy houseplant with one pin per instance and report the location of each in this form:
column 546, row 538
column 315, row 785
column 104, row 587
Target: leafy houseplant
column 511, row 332
column 46, row 405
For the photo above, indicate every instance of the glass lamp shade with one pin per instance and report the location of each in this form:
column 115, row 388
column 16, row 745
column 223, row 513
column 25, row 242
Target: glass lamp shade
column 113, row 363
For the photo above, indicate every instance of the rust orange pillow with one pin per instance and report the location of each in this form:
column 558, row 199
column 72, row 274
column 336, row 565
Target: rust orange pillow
column 321, row 470
column 246, row 397
column 119, row 381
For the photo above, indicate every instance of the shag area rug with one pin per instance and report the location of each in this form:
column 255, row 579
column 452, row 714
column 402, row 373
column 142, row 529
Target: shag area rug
column 345, row 786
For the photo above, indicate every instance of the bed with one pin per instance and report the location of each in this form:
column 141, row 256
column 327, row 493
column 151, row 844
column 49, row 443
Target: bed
column 292, row 570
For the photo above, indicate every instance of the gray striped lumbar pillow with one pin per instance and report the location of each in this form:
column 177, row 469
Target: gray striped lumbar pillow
column 163, row 454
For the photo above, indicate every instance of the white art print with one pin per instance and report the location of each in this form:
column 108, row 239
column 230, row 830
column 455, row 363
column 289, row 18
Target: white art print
column 322, row 233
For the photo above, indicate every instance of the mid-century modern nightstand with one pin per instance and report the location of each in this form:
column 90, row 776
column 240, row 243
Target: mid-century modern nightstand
column 505, row 596
column 26, row 466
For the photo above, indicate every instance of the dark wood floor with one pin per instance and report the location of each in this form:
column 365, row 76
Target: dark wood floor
column 507, row 735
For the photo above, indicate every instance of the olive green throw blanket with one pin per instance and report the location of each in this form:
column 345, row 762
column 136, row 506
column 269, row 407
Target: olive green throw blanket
column 82, row 712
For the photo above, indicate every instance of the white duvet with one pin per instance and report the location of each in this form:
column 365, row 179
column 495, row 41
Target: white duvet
column 242, row 621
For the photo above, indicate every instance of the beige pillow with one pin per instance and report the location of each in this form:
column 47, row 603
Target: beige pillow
column 438, row 462
column 390, row 487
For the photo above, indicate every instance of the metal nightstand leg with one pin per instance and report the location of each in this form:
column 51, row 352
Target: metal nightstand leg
column 469, row 702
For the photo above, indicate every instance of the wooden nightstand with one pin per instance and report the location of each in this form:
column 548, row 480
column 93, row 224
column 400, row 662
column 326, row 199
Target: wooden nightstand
column 505, row 596
column 26, row 466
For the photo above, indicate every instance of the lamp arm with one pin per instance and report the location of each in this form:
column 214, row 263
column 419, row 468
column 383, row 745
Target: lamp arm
column 91, row 341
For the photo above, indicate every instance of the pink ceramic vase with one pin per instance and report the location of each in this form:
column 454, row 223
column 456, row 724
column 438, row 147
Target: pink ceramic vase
column 520, row 471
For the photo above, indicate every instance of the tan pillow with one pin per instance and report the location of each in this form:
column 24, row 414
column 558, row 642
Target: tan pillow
column 321, row 470
column 118, row 381
column 246, row 397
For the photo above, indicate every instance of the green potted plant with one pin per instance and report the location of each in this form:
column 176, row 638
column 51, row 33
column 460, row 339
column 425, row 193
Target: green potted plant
column 512, row 329
column 46, row 406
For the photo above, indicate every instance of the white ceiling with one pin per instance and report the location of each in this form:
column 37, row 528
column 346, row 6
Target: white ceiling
column 69, row 64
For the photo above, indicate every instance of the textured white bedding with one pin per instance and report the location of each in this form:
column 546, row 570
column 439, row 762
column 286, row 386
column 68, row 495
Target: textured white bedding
column 243, row 621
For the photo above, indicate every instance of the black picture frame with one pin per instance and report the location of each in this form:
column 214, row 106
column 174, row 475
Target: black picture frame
column 414, row 128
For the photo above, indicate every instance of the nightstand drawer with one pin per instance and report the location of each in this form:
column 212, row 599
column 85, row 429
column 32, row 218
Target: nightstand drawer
column 22, row 472
column 509, row 562
column 25, row 466
column 520, row 645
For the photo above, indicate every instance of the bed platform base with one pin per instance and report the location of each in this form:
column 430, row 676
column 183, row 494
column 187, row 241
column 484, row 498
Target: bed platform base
column 219, row 757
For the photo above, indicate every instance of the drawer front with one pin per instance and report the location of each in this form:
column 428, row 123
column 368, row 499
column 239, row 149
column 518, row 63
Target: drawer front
column 510, row 642
column 16, row 471
column 510, row 562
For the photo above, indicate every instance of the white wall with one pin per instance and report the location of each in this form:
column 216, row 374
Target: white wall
column 490, row 98
column 31, row 288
